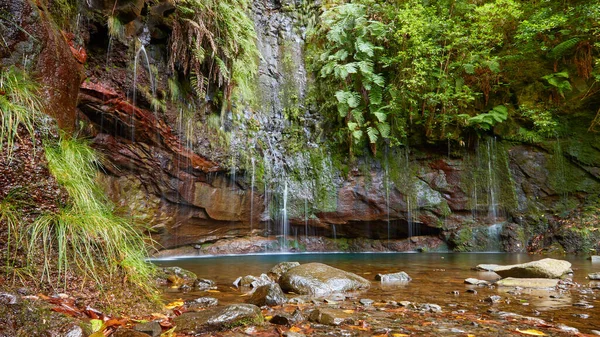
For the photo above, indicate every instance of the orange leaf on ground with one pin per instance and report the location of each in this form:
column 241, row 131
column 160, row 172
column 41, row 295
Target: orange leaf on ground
column 531, row 332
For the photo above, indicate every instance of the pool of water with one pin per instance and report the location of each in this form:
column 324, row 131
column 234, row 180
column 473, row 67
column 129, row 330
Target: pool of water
column 435, row 277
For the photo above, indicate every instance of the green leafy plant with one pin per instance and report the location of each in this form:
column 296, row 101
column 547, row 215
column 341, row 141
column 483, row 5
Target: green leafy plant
column 560, row 81
column 487, row 120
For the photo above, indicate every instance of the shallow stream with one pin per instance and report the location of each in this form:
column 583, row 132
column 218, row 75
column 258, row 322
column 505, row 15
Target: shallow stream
column 436, row 278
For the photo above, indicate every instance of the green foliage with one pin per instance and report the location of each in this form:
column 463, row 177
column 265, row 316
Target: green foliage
column 560, row 81
column 116, row 29
column 85, row 234
column 214, row 41
column 19, row 105
column 487, row 120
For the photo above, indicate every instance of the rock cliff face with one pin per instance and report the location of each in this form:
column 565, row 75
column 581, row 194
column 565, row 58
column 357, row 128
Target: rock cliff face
column 178, row 183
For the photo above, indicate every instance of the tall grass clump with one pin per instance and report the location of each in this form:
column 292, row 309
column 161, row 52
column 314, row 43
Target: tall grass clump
column 85, row 235
column 19, row 105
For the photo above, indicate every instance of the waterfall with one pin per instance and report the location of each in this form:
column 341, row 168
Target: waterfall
column 252, row 197
column 285, row 225
column 492, row 180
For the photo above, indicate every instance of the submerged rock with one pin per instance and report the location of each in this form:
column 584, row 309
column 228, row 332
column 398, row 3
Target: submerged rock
column 545, row 268
column 283, row 318
column 203, row 284
column 594, row 276
column 270, row 294
column 318, row 279
column 218, row 318
column 329, row 316
column 252, row 281
column 477, row 282
column 395, row 277
column 535, row 283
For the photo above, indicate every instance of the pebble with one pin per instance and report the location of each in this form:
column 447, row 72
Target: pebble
column 428, row 307
column 472, row 291
column 366, row 301
column 595, row 332
column 7, row 298
column 583, row 305
column 493, row 299
column 455, row 292
column 584, row 316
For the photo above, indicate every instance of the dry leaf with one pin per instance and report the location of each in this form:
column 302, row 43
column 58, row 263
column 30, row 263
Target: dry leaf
column 174, row 304
column 531, row 332
column 349, row 311
column 295, row 329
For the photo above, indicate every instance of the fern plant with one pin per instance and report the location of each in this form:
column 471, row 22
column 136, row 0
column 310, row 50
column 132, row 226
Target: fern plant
column 214, row 41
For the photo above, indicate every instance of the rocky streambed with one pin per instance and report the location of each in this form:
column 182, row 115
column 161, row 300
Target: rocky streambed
column 440, row 294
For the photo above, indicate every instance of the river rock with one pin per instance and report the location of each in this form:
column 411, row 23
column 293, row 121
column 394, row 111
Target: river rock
column 201, row 302
column 283, row 318
column 217, row 318
column 476, row 282
column 594, row 276
column 595, row 258
column 151, row 328
column 535, row 283
column 203, row 284
column 330, row 316
column 252, row 281
column 280, row 269
column 318, row 279
column 176, row 276
column 270, row 294
column 123, row 332
column 395, row 277
column 544, row 268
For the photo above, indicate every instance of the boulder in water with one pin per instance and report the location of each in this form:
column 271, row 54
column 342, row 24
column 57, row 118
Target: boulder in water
column 176, row 276
column 594, row 276
column 318, row 279
column 270, row 294
column 217, row 318
column 395, row 277
column 329, row 316
column 280, row 269
column 544, row 268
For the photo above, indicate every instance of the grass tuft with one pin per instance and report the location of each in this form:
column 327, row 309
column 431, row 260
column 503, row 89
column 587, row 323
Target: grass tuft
column 19, row 105
column 86, row 234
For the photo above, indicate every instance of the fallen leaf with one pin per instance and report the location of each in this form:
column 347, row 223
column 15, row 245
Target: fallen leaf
column 174, row 304
column 399, row 335
column 295, row 329
column 531, row 332
column 268, row 318
column 470, row 335
column 349, row 311
column 96, row 324
column 213, row 291
column 168, row 333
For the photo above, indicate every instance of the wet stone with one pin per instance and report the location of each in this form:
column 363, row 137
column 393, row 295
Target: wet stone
column 287, row 319
column 584, row 316
column 330, row 316
column 392, row 278
column 455, row 292
column 75, row 331
column 280, row 269
column 477, row 282
column 472, row 291
column 203, row 284
column 366, row 301
column 428, row 307
column 201, row 302
column 270, row 294
column 318, row 279
column 217, row 318
column 594, row 276
column 493, row 299
column 583, row 304
column 151, row 328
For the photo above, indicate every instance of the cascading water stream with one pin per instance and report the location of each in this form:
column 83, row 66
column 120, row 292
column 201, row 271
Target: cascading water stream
column 492, row 188
column 252, row 197
column 284, row 219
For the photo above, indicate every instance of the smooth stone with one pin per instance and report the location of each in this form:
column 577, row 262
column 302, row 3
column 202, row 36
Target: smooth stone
column 75, row 331
column 595, row 258
column 202, row 302
column 176, row 276
column 203, row 284
column 329, row 316
column 487, row 267
column 544, row 268
column 280, row 269
column 151, row 328
column 218, row 318
column 287, row 319
column 594, row 276
column 428, row 307
column 493, row 299
column 395, row 277
column 124, row 332
column 252, row 281
column 583, row 316
column 535, row 283
column 595, row 332
column 318, row 279
column 366, row 301
column 475, row 281
column 270, row 294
